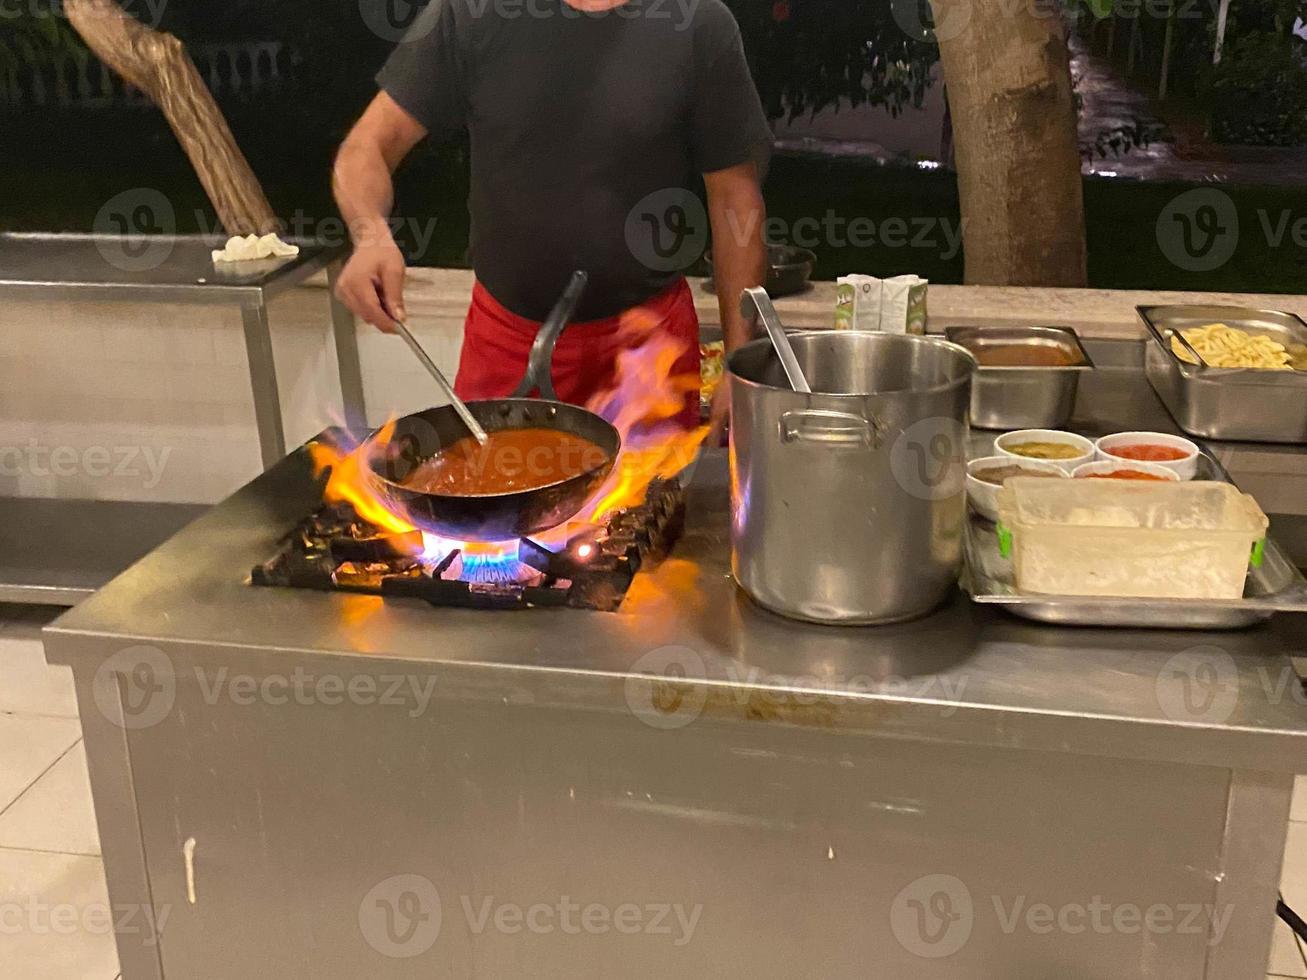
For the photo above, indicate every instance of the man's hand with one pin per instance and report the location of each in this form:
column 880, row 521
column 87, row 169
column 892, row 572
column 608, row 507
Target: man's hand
column 372, row 284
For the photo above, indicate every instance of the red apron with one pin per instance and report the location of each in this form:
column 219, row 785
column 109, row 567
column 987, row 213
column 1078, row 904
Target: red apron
column 496, row 343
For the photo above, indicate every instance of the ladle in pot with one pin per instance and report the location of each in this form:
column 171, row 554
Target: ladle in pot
column 755, row 300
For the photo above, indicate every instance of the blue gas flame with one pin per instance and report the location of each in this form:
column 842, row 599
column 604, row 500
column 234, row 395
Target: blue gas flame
column 498, row 564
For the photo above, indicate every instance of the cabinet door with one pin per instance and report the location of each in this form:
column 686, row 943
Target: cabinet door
column 494, row 838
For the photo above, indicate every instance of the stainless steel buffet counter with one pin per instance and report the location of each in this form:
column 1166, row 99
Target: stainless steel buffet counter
column 1013, row 684
column 59, row 551
column 826, row 797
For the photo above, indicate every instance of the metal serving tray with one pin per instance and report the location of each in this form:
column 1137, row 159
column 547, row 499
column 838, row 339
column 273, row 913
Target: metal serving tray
column 1244, row 404
column 1023, row 397
column 1276, row 586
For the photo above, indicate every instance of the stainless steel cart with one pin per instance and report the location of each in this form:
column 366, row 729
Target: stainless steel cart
column 60, row 551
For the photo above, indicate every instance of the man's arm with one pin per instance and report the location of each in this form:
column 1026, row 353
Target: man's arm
column 737, row 213
column 372, row 282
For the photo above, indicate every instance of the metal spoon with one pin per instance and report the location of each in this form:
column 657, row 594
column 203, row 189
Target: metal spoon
column 755, row 300
column 464, row 413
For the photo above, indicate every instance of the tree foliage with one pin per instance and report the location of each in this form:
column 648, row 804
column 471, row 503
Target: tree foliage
column 811, row 55
column 39, row 26
column 32, row 31
column 1258, row 93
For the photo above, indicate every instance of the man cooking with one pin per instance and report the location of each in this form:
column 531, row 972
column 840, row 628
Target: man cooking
column 588, row 120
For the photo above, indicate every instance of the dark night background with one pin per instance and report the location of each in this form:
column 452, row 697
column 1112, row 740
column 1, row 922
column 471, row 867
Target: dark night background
column 60, row 163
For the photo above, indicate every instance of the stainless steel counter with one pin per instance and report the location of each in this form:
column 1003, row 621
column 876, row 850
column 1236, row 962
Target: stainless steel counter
column 60, row 551
column 146, row 268
column 962, row 674
column 815, row 792
column 180, row 269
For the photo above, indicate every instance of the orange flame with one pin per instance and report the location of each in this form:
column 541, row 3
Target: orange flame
column 642, row 405
column 349, row 483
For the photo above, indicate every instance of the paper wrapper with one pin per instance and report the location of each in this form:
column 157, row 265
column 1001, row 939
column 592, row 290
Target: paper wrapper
column 896, row 305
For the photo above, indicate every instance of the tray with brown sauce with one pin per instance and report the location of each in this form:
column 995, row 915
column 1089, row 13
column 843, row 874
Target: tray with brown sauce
column 1027, row 376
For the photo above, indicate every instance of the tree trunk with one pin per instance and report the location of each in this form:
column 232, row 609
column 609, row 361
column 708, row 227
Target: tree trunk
column 157, row 64
column 1008, row 77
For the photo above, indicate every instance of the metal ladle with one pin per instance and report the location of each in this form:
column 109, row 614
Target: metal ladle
column 469, row 420
column 755, row 300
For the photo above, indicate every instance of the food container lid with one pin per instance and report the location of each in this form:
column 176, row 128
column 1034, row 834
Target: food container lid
column 1200, row 507
column 1005, row 546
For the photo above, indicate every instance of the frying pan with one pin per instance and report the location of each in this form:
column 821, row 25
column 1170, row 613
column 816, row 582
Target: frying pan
column 497, row 516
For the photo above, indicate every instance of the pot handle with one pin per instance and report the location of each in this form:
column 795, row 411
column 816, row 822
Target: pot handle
column 824, row 426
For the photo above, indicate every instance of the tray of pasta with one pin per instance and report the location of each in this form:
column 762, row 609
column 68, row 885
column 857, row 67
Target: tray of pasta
column 1228, row 372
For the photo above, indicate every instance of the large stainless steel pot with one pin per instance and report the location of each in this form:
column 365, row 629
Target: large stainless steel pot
column 848, row 503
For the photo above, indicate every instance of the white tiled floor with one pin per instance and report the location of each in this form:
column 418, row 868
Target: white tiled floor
column 1287, row 959
column 50, row 867
column 49, row 849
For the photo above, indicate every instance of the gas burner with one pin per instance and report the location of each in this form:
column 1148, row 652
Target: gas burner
column 335, row 550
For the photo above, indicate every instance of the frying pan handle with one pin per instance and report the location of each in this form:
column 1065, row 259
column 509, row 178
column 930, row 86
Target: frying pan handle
column 539, row 367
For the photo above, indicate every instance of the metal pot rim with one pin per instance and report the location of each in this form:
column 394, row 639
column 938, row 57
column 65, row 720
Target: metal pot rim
column 931, row 340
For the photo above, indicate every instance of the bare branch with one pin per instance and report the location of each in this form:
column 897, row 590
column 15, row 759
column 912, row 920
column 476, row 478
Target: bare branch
column 157, row 64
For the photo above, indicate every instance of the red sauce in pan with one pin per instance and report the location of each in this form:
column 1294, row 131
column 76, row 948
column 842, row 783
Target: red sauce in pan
column 511, row 460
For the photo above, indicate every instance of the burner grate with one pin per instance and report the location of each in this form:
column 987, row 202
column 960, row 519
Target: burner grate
column 334, row 550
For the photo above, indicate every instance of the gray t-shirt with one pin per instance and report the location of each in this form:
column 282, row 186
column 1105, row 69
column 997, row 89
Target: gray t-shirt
column 575, row 119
